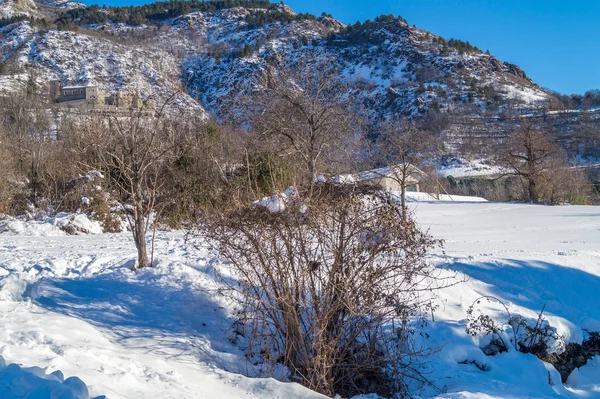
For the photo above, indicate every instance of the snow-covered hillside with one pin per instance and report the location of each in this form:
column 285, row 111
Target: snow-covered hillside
column 15, row 8
column 71, row 304
column 87, row 59
column 392, row 66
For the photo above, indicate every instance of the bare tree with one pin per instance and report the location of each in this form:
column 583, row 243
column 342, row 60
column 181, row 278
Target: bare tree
column 27, row 127
column 304, row 109
column 402, row 148
column 133, row 150
column 330, row 286
column 529, row 154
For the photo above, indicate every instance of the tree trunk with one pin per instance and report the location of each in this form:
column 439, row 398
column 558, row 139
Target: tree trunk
column 532, row 188
column 312, row 171
column 139, row 228
column 403, row 200
column 140, row 240
column 142, row 254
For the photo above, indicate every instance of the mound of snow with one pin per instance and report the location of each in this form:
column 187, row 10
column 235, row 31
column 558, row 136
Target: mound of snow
column 274, row 203
column 58, row 225
column 277, row 203
column 34, row 383
column 344, row 179
column 76, row 224
column 587, row 377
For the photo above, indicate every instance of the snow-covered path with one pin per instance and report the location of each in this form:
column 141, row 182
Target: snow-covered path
column 70, row 303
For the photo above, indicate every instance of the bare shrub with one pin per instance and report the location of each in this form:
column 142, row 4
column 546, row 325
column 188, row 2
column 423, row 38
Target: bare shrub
column 199, row 170
column 26, row 132
column 522, row 334
column 569, row 185
column 331, row 286
column 8, row 183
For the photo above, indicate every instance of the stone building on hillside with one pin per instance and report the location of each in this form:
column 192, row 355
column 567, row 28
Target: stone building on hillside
column 74, row 94
column 122, row 99
column 93, row 97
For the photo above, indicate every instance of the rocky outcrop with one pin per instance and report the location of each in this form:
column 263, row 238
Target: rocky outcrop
column 512, row 69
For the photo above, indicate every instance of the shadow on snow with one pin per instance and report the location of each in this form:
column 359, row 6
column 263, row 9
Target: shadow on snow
column 567, row 292
column 139, row 311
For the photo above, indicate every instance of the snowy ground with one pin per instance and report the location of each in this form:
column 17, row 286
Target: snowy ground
column 527, row 256
column 71, row 304
column 470, row 168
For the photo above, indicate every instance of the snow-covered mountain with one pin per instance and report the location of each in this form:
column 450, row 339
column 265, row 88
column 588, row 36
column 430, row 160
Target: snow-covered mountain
column 392, row 66
column 213, row 52
column 15, row 8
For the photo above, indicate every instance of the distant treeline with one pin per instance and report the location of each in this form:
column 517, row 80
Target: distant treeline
column 455, row 44
column 370, row 32
column 259, row 19
column 591, row 99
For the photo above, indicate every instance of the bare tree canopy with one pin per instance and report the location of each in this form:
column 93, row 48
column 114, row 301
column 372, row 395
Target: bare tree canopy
column 530, row 154
column 134, row 150
column 404, row 147
column 27, row 129
column 304, row 111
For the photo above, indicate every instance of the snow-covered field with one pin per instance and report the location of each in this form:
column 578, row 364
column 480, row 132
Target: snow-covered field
column 528, row 256
column 71, row 304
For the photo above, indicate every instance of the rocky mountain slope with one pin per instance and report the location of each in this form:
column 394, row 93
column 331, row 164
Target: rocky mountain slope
column 15, row 8
column 393, row 67
column 35, row 9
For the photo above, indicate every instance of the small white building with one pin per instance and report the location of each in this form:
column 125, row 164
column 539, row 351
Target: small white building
column 389, row 177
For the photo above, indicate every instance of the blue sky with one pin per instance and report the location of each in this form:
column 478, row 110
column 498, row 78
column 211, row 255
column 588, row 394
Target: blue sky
column 557, row 43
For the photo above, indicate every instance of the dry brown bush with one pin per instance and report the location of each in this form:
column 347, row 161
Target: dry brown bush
column 569, row 185
column 330, row 287
column 8, row 182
